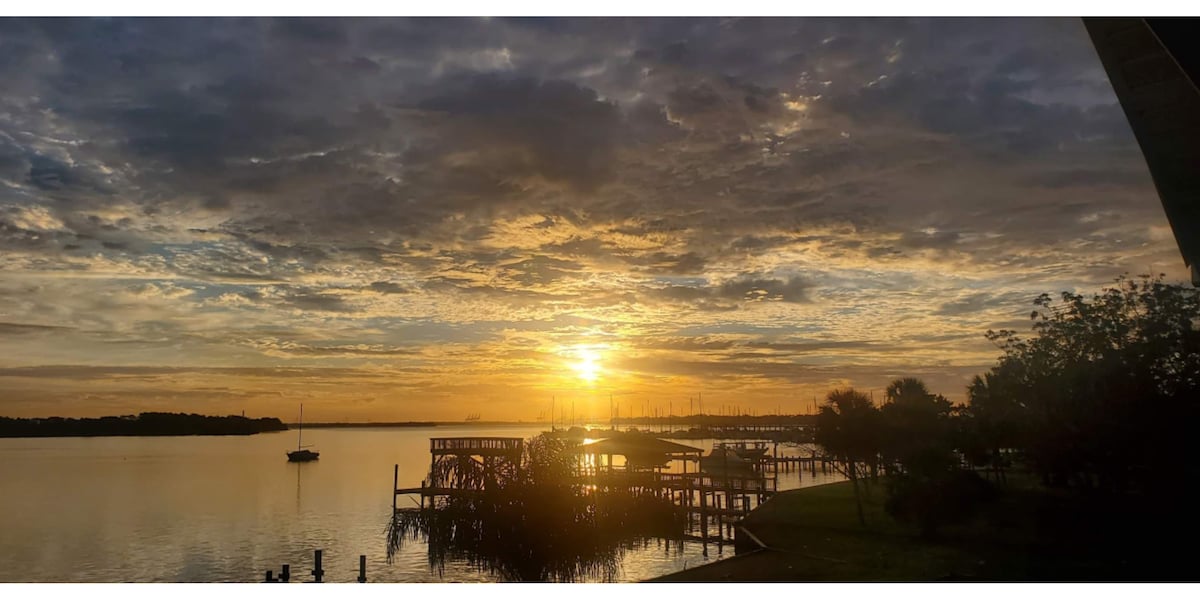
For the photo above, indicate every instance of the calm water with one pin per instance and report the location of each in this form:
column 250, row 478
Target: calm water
column 229, row 508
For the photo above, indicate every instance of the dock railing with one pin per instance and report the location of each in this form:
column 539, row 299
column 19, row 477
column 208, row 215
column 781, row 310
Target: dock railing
column 488, row 445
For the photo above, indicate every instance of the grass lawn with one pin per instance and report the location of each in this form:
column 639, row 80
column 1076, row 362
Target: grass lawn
column 1028, row 534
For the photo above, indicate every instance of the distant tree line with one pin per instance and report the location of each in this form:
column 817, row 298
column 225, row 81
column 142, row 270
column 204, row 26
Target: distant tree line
column 144, row 424
column 1102, row 399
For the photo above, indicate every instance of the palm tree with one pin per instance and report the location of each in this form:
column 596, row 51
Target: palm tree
column 848, row 429
column 917, row 428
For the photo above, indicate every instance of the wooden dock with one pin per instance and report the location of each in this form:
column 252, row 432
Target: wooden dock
column 714, row 502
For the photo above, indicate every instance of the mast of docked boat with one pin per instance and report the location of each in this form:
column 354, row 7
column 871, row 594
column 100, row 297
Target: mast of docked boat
column 300, row 429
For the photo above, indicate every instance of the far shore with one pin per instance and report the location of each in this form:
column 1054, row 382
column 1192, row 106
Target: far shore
column 140, row 425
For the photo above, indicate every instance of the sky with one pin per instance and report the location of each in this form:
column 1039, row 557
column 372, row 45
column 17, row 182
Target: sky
column 391, row 219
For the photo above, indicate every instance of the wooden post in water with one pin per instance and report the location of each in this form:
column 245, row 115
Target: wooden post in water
column 720, row 519
column 285, row 574
column 432, row 469
column 270, row 577
column 362, row 568
column 318, row 573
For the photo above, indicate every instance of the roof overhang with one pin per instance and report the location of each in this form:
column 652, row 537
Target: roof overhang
column 1154, row 68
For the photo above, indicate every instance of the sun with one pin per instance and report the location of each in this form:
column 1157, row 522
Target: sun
column 588, row 368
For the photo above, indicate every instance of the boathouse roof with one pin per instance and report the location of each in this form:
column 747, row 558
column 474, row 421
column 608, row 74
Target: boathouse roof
column 636, row 445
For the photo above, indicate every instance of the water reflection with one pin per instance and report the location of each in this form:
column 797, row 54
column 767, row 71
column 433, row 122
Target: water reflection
column 153, row 503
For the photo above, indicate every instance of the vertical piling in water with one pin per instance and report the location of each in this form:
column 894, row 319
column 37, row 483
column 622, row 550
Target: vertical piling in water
column 729, row 525
column 285, row 573
column 270, row 577
column 318, row 573
column 362, row 568
column 720, row 519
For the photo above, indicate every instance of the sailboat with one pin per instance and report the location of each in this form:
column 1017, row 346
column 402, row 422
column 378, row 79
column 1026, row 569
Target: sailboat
column 301, row 455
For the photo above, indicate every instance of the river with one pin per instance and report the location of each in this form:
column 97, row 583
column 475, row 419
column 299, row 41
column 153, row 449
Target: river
column 228, row 508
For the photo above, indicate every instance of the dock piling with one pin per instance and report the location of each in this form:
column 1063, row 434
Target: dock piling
column 318, row 573
column 362, row 568
column 285, row 573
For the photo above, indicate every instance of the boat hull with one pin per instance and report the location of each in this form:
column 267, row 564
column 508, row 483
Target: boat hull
column 303, row 456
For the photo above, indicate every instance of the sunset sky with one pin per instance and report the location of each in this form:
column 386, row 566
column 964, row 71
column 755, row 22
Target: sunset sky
column 423, row 219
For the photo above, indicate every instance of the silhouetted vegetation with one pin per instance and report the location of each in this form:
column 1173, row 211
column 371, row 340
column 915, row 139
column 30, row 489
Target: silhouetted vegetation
column 921, row 454
column 1106, row 394
column 535, row 523
column 848, row 427
column 1102, row 399
column 144, row 424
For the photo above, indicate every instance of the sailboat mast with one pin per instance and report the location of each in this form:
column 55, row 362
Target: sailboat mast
column 300, row 429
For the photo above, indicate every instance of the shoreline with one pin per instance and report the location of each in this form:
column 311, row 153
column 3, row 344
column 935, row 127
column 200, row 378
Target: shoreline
column 734, row 568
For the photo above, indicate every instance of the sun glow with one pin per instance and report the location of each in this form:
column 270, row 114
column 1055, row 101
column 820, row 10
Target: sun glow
column 588, row 368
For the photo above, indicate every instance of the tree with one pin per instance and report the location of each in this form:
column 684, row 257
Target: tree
column 917, row 429
column 921, row 450
column 1104, row 395
column 848, row 428
column 991, row 424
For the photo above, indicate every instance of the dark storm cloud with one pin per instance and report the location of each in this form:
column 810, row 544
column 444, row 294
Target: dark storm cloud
column 266, row 120
column 555, row 129
column 724, row 105
column 1003, row 87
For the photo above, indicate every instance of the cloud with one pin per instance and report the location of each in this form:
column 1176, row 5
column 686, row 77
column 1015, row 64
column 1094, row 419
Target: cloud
column 287, row 348
column 557, row 130
column 448, row 205
column 756, row 289
column 27, row 328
